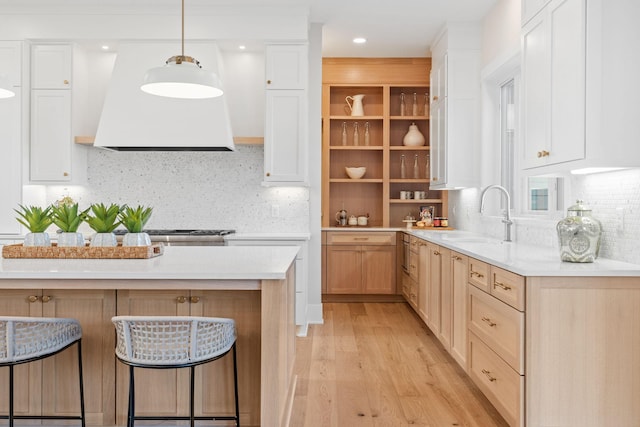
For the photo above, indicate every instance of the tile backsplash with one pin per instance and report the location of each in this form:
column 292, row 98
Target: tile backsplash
column 190, row 189
column 614, row 198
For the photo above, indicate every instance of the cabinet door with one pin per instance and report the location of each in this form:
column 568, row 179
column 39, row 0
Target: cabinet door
column 286, row 66
column 459, row 274
column 424, row 282
column 94, row 310
column 51, row 66
column 170, row 387
column 446, row 298
column 285, row 138
column 344, row 270
column 379, row 269
column 50, row 135
column 27, row 377
column 10, row 161
column 434, row 288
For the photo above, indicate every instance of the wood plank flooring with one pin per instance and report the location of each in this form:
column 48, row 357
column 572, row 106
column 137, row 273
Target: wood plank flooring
column 377, row 364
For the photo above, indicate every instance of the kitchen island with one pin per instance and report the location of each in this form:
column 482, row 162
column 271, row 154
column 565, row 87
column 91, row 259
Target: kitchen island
column 253, row 285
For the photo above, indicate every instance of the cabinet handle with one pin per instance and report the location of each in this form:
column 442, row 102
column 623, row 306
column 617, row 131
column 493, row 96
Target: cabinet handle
column 32, row 298
column 436, row 253
column 268, row 82
column 46, row 298
column 488, row 374
column 194, row 300
column 360, row 238
column 434, row 179
column 543, row 153
column 65, row 82
column 181, row 300
column 488, row 321
column 502, row 285
column 456, row 257
column 65, row 174
column 475, row 273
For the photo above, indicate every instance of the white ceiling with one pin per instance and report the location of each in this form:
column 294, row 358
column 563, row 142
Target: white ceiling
column 401, row 28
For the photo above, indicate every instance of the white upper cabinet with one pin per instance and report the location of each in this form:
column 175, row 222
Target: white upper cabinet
column 285, row 138
column 286, row 67
column 553, row 82
column 51, row 66
column 455, row 112
column 578, row 110
column 10, row 138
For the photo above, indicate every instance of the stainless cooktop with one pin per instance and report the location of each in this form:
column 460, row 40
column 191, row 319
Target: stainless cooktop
column 185, row 237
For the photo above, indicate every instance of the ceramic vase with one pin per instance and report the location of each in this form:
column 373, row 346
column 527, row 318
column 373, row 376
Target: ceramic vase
column 37, row 239
column 136, row 239
column 70, row 239
column 104, row 239
column 413, row 136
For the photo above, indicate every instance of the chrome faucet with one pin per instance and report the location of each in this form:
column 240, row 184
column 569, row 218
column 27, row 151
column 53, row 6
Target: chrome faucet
column 507, row 218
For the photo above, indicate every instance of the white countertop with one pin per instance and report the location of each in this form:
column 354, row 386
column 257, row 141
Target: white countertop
column 177, row 262
column 523, row 259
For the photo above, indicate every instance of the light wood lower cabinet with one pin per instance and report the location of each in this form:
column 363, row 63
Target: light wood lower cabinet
column 459, row 274
column 50, row 386
column 166, row 391
column 361, row 263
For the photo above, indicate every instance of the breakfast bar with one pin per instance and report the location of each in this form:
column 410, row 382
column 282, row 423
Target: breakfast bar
column 253, row 285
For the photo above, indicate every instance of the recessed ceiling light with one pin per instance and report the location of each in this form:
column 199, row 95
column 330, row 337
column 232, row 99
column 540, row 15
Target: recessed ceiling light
column 359, row 40
column 242, row 47
column 105, row 47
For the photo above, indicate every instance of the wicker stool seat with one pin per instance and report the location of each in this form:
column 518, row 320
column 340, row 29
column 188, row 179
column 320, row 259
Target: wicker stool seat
column 27, row 339
column 163, row 342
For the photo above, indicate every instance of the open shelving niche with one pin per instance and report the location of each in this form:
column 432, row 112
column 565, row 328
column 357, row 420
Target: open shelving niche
column 378, row 192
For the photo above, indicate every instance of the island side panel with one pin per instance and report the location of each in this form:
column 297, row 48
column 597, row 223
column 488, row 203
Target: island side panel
column 583, row 351
column 278, row 349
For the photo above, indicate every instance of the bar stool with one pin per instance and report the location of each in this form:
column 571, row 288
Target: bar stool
column 164, row 342
column 27, row 339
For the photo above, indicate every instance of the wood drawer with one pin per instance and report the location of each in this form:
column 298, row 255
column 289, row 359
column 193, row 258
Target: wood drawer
column 503, row 386
column 410, row 290
column 361, row 238
column 508, row 287
column 500, row 326
column 479, row 274
column 415, row 244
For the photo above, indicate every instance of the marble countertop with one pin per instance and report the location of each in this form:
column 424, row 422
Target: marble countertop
column 523, row 259
column 177, row 262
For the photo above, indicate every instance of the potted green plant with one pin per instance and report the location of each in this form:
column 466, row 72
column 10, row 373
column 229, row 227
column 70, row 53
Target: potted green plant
column 134, row 220
column 37, row 220
column 103, row 220
column 68, row 218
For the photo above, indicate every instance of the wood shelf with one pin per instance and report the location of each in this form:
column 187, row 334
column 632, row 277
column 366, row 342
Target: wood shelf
column 382, row 90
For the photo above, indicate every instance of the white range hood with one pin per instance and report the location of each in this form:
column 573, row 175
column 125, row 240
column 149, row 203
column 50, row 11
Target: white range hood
column 133, row 120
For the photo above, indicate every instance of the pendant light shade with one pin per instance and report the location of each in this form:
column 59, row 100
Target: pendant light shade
column 182, row 77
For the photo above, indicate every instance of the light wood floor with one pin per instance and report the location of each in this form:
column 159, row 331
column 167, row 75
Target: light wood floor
column 377, row 364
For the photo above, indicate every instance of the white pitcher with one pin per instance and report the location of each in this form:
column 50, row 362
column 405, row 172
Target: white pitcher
column 355, row 106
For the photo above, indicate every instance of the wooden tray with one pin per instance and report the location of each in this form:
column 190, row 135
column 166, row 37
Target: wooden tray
column 86, row 252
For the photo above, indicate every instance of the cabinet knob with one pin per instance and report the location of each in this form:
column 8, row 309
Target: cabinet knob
column 194, row 300
column 65, row 174
column 434, row 179
column 268, row 173
column 436, row 253
column 46, row 298
column 435, row 98
column 543, row 153
column 65, row 82
column 32, row 298
column 456, row 257
column 268, row 82
column 181, row 300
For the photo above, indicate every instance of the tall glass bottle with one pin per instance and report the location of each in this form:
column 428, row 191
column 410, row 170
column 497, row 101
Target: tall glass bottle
column 367, row 139
column 403, row 167
column 402, row 106
column 416, row 168
column 356, row 134
column 426, row 104
column 427, row 167
column 414, row 107
column 344, row 133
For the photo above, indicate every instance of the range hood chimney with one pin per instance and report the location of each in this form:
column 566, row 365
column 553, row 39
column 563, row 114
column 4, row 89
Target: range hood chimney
column 133, row 120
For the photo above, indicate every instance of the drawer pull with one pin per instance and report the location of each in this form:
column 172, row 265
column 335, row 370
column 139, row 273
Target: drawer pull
column 360, row 238
column 436, row 253
column 488, row 321
column 488, row 374
column 45, row 298
column 181, row 300
column 475, row 273
column 32, row 298
column 456, row 257
column 502, row 285
column 194, row 300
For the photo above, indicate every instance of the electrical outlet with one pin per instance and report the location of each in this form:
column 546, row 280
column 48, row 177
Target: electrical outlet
column 275, row 211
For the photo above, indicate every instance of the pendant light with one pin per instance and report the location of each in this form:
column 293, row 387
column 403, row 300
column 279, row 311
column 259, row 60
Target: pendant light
column 182, row 77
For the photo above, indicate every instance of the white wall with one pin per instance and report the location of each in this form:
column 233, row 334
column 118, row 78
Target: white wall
column 501, row 30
